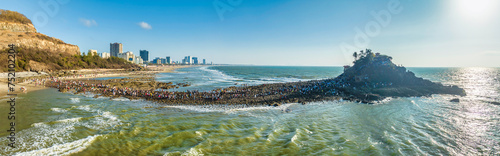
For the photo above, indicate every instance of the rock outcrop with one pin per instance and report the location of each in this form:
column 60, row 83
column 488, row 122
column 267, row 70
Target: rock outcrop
column 16, row 29
column 374, row 77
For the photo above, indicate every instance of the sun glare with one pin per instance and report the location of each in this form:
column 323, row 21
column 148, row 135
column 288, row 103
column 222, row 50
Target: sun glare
column 479, row 10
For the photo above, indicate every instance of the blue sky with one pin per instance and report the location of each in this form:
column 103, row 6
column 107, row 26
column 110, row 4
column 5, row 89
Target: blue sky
column 423, row 33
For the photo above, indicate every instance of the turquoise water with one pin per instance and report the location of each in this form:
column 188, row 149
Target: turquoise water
column 208, row 78
column 59, row 123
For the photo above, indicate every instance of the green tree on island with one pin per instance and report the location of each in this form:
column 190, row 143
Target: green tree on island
column 355, row 55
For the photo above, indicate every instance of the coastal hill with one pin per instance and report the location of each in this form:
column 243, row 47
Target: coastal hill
column 39, row 52
column 16, row 29
column 374, row 76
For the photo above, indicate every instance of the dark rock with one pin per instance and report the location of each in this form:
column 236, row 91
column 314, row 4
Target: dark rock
column 373, row 97
column 495, row 103
column 455, row 100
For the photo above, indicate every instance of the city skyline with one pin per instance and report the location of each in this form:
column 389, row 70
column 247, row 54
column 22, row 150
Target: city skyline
column 417, row 33
column 143, row 55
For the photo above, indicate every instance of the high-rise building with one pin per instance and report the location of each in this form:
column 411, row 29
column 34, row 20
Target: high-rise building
column 204, row 62
column 185, row 60
column 189, row 60
column 138, row 60
column 169, row 61
column 144, row 55
column 156, row 60
column 129, row 56
column 92, row 52
column 105, row 55
column 115, row 49
column 195, row 60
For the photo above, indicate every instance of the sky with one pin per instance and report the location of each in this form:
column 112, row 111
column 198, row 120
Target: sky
column 416, row 33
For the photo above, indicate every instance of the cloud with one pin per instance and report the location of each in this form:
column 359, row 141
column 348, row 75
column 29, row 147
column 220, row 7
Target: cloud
column 145, row 25
column 88, row 22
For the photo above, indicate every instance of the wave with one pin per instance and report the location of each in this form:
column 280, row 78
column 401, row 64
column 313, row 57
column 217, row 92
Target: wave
column 70, row 120
column 57, row 137
column 120, row 99
column 110, row 116
column 281, row 79
column 60, row 110
column 85, row 108
column 221, row 75
column 229, row 109
column 64, row 149
column 75, row 100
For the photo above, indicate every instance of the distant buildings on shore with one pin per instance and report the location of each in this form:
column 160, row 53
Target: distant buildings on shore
column 144, row 55
column 195, row 60
column 116, row 50
column 105, row 55
column 92, row 52
column 188, row 60
column 168, row 60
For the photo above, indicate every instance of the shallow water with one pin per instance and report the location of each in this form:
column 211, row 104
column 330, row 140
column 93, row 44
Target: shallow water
column 49, row 122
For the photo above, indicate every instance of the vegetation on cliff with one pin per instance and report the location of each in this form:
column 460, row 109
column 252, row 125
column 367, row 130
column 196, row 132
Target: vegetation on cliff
column 39, row 52
column 13, row 16
column 39, row 60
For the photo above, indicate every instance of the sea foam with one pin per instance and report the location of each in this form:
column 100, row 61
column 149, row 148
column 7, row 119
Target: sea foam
column 64, row 149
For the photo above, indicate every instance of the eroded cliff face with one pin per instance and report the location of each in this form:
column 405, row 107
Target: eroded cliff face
column 17, row 27
column 25, row 35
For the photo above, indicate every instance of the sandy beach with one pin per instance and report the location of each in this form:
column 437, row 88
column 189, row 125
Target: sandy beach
column 81, row 74
column 30, row 87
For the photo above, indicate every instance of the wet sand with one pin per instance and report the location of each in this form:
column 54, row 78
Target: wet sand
column 31, row 87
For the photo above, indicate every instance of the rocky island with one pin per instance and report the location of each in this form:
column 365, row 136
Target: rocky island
column 373, row 77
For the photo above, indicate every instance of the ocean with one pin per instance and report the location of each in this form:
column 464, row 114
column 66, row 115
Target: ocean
column 53, row 123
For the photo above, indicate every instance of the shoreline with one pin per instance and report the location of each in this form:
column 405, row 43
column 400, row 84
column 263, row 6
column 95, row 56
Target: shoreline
column 30, row 87
column 82, row 74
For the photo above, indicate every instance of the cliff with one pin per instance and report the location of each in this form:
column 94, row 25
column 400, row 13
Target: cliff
column 39, row 52
column 16, row 29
